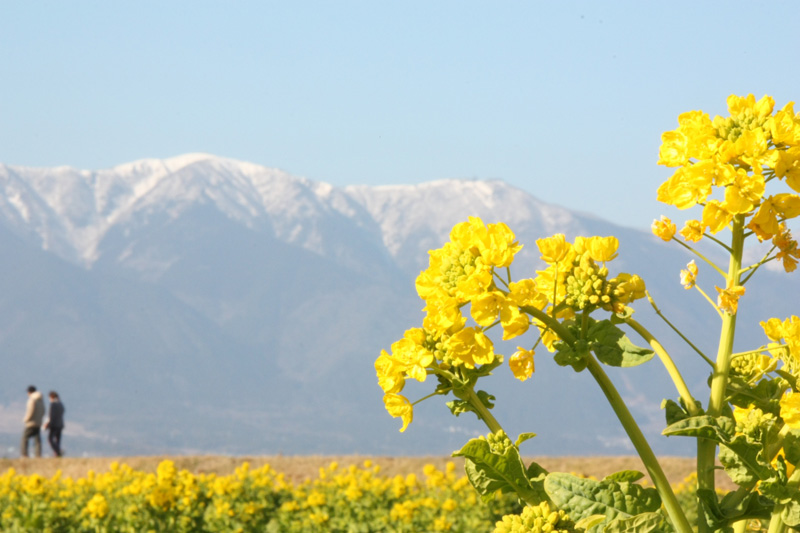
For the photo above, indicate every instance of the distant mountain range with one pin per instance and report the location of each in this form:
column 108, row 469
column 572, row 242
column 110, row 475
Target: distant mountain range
column 204, row 305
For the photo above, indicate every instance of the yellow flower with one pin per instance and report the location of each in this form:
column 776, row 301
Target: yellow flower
column 521, row 363
column 412, row 355
column 553, row 249
column 789, row 252
column 97, row 507
column 773, row 329
column 688, row 186
column 600, row 249
column 471, row 347
column 443, row 314
column 784, row 126
column 715, row 216
column 745, row 192
column 790, row 410
column 692, row 231
column 747, row 105
column 390, row 373
column 664, row 228
column 674, row 150
column 486, row 307
column 500, row 246
column 689, row 276
column 399, row 407
column 728, row 299
column 523, row 293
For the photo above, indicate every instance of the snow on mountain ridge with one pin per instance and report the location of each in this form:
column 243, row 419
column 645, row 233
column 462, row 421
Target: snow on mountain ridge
column 71, row 211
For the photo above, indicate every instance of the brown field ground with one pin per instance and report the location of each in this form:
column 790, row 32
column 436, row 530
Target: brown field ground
column 301, row 468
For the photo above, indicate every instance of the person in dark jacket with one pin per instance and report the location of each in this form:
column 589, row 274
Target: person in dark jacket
column 55, row 424
column 34, row 413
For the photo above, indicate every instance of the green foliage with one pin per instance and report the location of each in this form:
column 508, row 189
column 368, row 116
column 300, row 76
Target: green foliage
column 582, row 498
column 489, row 472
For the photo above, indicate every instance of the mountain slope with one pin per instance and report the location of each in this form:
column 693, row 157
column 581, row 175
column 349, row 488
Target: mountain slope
column 209, row 305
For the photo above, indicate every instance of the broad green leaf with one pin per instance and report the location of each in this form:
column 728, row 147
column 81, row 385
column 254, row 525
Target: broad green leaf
column 581, row 497
column 590, row 522
column 764, row 395
column 732, row 508
column 791, row 447
column 641, row 523
column 743, row 461
column 791, row 513
column 614, row 348
column 624, row 475
column 536, row 474
column 489, row 472
column 573, row 355
column 719, row 429
column 675, row 412
column 523, row 437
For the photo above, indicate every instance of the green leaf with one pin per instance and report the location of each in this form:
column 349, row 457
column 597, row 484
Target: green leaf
column 624, row 475
column 743, row 461
column 791, row 446
column 675, row 412
column 791, row 513
column 590, row 522
column 523, row 437
column 614, row 348
column 719, row 429
column 641, row 523
column 573, row 355
column 458, row 407
column 489, row 472
column 581, row 497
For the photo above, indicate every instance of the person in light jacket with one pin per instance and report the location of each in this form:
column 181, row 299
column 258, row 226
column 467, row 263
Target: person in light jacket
column 34, row 414
column 56, row 423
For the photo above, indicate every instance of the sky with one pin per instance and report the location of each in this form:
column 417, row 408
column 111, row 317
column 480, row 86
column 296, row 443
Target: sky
column 566, row 100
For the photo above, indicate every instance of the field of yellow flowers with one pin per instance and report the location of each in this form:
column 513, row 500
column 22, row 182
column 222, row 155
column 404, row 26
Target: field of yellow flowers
column 354, row 495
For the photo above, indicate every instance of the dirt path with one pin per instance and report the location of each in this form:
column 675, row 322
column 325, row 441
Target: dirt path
column 300, row 468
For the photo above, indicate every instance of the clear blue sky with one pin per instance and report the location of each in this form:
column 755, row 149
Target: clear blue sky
column 566, row 100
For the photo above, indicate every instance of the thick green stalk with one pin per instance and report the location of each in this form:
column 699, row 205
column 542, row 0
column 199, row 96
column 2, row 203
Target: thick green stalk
column 483, row 413
column 707, row 449
column 649, row 459
column 668, row 499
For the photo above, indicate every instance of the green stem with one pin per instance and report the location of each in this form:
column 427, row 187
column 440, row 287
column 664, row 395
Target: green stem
column 669, row 364
column 483, row 413
column 706, row 449
column 701, row 256
column 676, row 330
column 668, row 499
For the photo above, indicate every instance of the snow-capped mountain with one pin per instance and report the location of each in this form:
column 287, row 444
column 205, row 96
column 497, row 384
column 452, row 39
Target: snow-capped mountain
column 204, row 304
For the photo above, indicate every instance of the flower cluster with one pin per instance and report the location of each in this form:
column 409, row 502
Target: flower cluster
column 248, row 500
column 738, row 155
column 463, row 281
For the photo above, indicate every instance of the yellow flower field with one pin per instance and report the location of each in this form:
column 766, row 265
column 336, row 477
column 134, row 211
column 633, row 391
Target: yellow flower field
column 355, row 498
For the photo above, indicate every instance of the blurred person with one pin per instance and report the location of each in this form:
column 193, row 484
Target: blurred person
column 34, row 414
column 55, row 423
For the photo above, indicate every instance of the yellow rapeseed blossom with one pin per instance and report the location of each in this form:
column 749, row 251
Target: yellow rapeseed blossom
column 97, row 507
column 521, row 363
column 664, row 229
column 728, row 299
column 692, row 230
column 689, row 276
column 790, row 410
column 399, row 407
column 471, row 347
column 553, row 249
